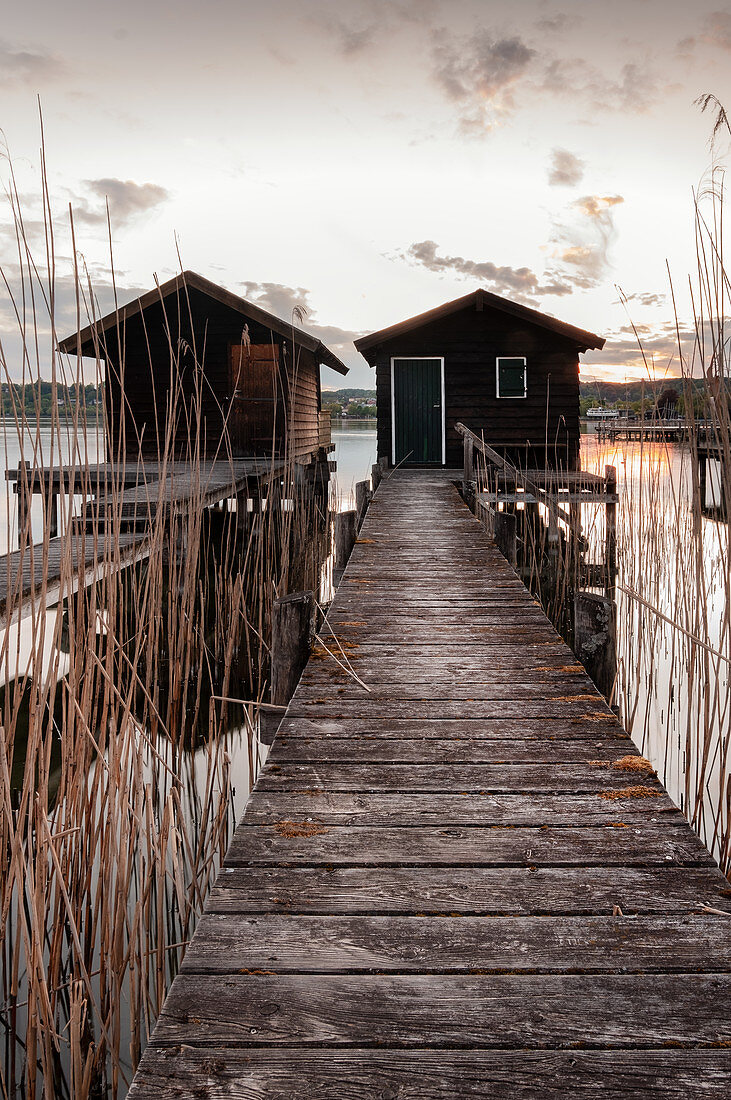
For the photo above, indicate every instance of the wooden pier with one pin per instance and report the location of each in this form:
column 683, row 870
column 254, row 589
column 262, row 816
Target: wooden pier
column 137, row 495
column 652, row 431
column 455, row 876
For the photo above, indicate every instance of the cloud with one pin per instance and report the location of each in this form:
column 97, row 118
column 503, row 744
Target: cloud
column 566, row 169
column 17, row 350
column 584, row 238
column 490, row 77
column 634, row 90
column 27, row 67
column 281, row 300
column 369, row 22
column 646, row 298
column 658, row 351
column 717, row 28
column 127, row 200
column 558, row 23
column 505, row 280
column 480, row 74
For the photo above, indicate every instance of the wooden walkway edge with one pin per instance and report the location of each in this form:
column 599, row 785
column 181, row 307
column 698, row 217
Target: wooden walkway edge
column 463, row 881
column 34, row 575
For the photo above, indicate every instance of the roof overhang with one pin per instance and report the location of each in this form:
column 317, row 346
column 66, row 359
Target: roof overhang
column 91, row 340
column 480, row 300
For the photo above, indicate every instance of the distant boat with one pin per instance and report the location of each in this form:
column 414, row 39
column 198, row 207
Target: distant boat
column 602, row 414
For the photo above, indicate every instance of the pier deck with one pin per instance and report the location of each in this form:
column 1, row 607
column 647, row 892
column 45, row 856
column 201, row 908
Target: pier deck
column 460, row 882
column 136, row 494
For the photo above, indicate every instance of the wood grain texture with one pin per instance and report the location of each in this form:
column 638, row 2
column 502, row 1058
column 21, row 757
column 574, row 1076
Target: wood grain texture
column 530, row 889
column 221, row 1073
column 463, row 882
column 497, row 1010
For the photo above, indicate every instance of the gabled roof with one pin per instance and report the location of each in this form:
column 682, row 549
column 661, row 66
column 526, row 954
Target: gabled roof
column 479, row 300
column 93, row 334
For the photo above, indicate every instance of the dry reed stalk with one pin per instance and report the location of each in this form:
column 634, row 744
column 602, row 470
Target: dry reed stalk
column 116, row 773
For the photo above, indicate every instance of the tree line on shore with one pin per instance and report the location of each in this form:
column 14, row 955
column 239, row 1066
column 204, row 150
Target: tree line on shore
column 38, row 398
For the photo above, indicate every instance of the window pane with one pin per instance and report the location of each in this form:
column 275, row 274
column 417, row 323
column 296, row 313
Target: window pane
column 511, row 373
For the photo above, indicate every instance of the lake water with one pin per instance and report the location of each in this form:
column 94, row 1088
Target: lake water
column 355, row 453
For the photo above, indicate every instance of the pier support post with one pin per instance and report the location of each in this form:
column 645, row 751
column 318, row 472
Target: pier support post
column 506, row 535
column 376, row 475
column 595, row 638
column 53, row 516
column 292, row 618
column 610, row 551
column 703, row 480
column 344, row 534
column 243, row 521
column 468, row 473
column 22, row 488
column 362, row 498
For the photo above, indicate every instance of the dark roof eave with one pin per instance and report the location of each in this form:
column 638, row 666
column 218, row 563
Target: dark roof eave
column 583, row 339
column 92, row 337
column 326, row 358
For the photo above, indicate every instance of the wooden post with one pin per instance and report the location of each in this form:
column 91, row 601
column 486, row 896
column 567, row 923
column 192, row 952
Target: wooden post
column 610, row 550
column 595, row 638
column 22, row 488
column 362, row 497
column 243, row 517
column 383, row 463
column 376, row 475
column 468, row 474
column 53, row 517
column 506, row 535
column 292, row 618
column 344, row 535
column 703, row 479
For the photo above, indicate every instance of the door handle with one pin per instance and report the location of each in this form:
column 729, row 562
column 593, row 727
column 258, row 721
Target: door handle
column 436, row 406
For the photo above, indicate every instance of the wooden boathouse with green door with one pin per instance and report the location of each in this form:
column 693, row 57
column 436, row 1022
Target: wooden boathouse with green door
column 498, row 367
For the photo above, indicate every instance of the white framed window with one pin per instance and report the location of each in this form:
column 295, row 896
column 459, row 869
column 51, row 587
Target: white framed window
column 511, row 376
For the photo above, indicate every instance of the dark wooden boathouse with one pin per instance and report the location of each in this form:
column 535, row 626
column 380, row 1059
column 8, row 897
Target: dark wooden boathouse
column 237, row 378
column 498, row 367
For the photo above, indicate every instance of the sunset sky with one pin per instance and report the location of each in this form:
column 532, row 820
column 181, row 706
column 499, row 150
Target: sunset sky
column 371, row 159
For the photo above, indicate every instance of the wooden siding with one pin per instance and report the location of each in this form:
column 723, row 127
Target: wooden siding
column 470, row 342
column 160, row 349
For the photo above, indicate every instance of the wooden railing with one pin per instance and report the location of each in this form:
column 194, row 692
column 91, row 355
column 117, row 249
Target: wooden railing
column 593, row 624
column 602, row 490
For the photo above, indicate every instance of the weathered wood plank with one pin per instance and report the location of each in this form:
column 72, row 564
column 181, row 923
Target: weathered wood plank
column 431, row 709
column 288, row 842
column 490, row 1010
column 278, row 1073
column 470, row 890
column 314, row 944
column 454, row 750
column 436, row 808
column 465, row 778
column 524, row 728
column 470, row 688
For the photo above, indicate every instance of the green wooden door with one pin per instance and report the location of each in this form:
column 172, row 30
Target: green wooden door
column 417, row 410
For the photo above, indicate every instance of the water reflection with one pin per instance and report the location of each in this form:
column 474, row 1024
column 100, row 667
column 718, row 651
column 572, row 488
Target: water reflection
column 674, row 641
column 355, row 453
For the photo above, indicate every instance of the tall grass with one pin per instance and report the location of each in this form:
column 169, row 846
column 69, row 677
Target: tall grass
column 675, row 584
column 121, row 738
column 673, row 590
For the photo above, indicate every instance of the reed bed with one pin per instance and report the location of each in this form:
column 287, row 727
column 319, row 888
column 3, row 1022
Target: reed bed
column 129, row 711
column 673, row 588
